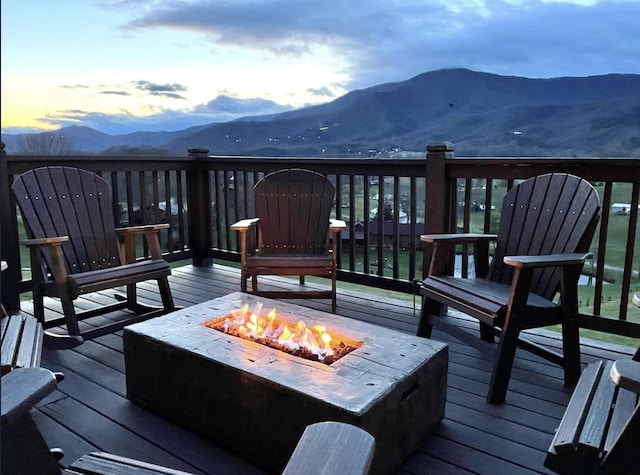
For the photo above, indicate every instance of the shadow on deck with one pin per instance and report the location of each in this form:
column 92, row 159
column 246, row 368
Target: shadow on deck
column 89, row 411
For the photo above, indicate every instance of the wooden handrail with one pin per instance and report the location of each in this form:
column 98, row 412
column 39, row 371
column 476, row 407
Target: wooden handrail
column 392, row 201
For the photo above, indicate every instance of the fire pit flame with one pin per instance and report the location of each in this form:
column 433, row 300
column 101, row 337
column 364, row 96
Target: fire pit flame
column 298, row 339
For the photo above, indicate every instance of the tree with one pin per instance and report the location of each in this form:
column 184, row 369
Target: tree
column 44, row 143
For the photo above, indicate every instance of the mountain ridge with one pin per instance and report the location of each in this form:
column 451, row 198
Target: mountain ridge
column 483, row 114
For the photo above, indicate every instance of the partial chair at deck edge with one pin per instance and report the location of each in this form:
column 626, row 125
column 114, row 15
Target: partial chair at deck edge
column 328, row 447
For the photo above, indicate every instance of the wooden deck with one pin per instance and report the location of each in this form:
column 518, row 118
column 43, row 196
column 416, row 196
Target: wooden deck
column 89, row 411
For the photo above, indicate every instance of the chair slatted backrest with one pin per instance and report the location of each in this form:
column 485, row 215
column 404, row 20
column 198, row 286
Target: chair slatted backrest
column 294, row 207
column 66, row 201
column 548, row 214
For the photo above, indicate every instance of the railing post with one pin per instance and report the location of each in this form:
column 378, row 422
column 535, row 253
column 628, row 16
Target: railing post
column 12, row 275
column 438, row 188
column 437, row 195
column 199, row 208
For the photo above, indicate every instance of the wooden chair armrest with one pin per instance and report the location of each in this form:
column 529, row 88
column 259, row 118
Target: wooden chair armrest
column 444, row 249
column 626, row 374
column 332, row 447
column 151, row 233
column 242, row 227
column 45, row 242
column 525, row 266
column 245, row 224
column 143, row 229
column 463, row 238
column 22, row 389
column 337, row 225
column 54, row 244
column 550, row 260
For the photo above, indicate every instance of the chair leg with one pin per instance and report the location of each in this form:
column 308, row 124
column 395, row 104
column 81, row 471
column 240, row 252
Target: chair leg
column 243, row 280
column 571, row 351
column 334, row 290
column 38, row 305
column 503, row 364
column 165, row 294
column 70, row 317
column 486, row 333
column 430, row 309
column 570, row 327
column 132, row 298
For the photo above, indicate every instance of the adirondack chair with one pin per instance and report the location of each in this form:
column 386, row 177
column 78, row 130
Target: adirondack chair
column 546, row 226
column 600, row 428
column 290, row 233
column 74, row 250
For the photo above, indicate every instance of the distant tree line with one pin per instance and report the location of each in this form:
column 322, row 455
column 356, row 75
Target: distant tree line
column 58, row 144
column 45, row 143
column 135, row 151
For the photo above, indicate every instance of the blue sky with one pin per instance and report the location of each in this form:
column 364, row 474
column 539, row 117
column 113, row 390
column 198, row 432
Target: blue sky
column 124, row 66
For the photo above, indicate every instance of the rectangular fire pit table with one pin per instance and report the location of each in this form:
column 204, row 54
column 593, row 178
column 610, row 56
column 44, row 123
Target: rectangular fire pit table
column 256, row 401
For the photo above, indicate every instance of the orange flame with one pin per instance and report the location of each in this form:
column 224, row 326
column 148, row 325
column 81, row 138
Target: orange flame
column 254, row 326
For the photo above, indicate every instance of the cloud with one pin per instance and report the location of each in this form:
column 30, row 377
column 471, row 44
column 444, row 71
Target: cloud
column 75, row 86
column 221, row 109
column 321, row 92
column 116, row 93
column 165, row 90
column 368, row 42
column 395, row 40
column 235, row 107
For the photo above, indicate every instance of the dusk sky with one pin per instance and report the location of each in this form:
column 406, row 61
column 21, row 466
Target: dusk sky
column 123, row 66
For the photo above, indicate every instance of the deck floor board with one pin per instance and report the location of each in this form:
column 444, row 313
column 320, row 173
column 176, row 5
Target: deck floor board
column 89, row 410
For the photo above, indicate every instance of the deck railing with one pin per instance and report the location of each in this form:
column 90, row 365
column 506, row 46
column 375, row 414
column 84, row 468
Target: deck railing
column 387, row 204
